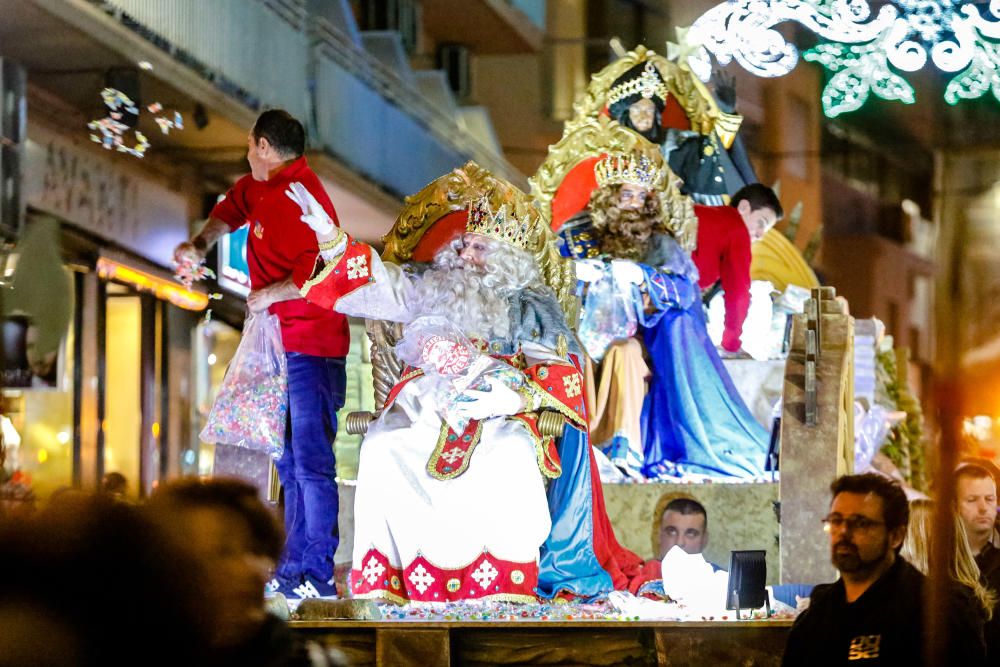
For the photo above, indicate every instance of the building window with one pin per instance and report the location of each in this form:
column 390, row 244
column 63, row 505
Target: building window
column 401, row 16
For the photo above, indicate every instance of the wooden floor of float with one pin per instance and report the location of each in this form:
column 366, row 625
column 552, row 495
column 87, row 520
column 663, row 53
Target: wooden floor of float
column 424, row 643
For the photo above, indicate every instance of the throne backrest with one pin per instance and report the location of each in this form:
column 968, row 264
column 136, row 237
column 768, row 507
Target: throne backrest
column 691, row 105
column 565, row 180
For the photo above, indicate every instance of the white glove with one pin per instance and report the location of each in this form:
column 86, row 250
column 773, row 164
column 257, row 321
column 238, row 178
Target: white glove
column 499, row 401
column 589, row 270
column 627, row 272
column 313, row 214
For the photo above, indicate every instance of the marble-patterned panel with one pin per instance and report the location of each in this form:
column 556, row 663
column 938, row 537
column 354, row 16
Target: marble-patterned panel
column 740, row 516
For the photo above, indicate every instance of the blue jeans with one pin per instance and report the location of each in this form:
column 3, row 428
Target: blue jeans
column 307, row 468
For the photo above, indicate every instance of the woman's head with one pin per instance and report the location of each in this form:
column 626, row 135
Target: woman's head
column 962, row 566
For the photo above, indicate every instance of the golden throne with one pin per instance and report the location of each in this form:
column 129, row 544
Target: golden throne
column 690, row 105
column 565, row 180
column 433, row 217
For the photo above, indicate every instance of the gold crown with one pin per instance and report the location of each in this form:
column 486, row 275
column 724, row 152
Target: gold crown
column 618, row 168
column 648, row 84
column 502, row 225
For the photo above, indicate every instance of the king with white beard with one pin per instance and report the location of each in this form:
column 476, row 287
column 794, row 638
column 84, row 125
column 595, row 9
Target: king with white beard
column 444, row 514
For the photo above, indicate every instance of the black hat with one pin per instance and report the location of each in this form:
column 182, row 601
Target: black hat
column 641, row 81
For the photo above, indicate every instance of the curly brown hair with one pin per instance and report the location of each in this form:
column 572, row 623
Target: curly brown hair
column 623, row 234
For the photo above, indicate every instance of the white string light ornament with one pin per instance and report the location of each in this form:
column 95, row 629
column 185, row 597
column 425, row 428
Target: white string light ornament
column 864, row 53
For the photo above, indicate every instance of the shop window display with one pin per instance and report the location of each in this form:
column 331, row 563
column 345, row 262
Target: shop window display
column 37, row 415
column 123, row 410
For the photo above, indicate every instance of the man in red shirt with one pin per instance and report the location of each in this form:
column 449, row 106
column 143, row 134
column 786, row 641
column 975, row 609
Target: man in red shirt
column 316, row 340
column 723, row 253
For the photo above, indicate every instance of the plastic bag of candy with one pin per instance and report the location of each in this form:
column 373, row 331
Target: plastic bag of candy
column 452, row 365
column 252, row 403
column 609, row 314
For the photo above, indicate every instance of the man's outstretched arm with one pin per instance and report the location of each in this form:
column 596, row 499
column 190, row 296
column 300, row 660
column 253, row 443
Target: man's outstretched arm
column 198, row 246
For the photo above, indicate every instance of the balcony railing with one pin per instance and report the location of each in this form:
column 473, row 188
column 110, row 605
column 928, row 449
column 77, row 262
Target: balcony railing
column 372, row 112
column 255, row 50
column 263, row 52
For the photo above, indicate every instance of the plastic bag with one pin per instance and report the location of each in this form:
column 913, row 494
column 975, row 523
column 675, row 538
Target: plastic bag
column 252, row 404
column 452, row 365
column 608, row 315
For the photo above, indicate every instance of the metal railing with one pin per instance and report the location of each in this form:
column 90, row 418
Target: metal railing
column 257, row 46
column 339, row 51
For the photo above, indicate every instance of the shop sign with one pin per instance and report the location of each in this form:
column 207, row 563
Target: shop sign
column 106, row 194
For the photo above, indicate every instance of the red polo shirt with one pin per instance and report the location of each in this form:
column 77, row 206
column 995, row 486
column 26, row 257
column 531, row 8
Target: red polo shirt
column 281, row 246
column 723, row 253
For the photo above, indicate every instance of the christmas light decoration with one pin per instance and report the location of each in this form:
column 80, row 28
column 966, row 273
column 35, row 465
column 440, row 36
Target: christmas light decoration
column 865, row 54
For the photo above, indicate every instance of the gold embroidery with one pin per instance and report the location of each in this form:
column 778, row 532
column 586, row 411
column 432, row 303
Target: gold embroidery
column 334, row 242
column 439, row 453
column 572, row 385
column 546, row 465
column 319, row 277
column 544, row 399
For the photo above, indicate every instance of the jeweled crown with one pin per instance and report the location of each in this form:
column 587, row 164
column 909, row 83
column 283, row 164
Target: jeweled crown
column 648, row 84
column 618, row 168
column 501, row 225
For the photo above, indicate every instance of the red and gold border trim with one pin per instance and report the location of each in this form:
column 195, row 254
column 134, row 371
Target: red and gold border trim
column 485, row 578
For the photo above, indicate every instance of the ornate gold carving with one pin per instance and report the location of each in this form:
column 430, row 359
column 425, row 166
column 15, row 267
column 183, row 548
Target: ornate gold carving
column 698, row 103
column 386, row 368
column 454, row 191
column 458, row 190
column 584, row 138
column 593, row 137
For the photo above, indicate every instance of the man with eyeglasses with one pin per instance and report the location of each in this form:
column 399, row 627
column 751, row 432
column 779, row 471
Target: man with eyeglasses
column 873, row 614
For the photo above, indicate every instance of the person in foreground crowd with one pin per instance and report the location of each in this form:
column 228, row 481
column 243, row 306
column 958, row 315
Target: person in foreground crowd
column 873, row 614
column 237, row 542
column 316, row 340
column 962, row 567
column 92, row 582
column 976, row 506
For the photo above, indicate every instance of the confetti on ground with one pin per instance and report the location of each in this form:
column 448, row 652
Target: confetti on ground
column 483, row 610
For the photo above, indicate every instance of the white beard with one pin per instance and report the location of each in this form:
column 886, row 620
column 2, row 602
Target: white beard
column 475, row 301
